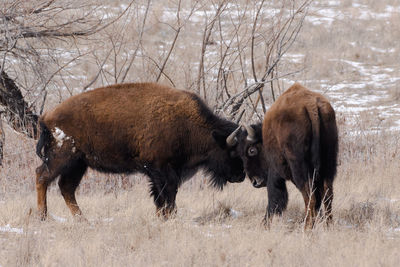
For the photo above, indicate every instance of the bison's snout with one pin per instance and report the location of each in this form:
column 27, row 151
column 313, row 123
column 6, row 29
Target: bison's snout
column 257, row 182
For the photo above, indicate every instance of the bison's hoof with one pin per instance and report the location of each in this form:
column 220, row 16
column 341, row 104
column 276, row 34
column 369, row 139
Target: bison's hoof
column 266, row 223
column 42, row 216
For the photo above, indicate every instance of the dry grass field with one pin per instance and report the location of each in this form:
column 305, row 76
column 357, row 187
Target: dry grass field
column 212, row 228
column 349, row 51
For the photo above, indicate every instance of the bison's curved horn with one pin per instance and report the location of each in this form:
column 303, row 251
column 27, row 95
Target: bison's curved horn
column 231, row 140
column 251, row 134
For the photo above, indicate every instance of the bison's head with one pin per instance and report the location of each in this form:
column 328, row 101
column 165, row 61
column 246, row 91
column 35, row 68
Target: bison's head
column 249, row 148
column 224, row 164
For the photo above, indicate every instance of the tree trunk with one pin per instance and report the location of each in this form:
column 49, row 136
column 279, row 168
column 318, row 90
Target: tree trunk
column 1, row 142
column 17, row 113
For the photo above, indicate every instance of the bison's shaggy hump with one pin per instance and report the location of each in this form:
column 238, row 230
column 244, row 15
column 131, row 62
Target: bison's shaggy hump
column 163, row 132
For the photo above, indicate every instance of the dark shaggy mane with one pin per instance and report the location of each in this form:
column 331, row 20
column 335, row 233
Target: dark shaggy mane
column 224, row 126
column 217, row 122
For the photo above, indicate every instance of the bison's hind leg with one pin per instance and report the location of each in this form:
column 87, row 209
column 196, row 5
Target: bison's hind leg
column 43, row 178
column 58, row 161
column 69, row 181
column 45, row 174
column 327, row 200
column 307, row 182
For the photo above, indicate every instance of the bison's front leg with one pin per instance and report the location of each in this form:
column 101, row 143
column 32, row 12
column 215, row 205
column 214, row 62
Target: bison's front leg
column 277, row 197
column 164, row 199
column 164, row 187
column 170, row 192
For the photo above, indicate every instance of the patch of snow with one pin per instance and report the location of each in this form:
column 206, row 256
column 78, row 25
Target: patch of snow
column 315, row 20
column 353, row 44
column 357, row 65
column 326, row 15
column 57, row 218
column 365, row 12
column 356, row 99
column 382, row 50
column 207, row 234
column 391, row 200
column 227, row 226
column 330, row 13
column 343, row 108
column 393, row 79
column 393, row 232
column 235, row 214
column 367, row 15
column 379, row 77
column 295, row 58
column 370, row 75
column 108, row 219
column 346, row 224
column 60, row 136
column 333, row 3
column 392, row 9
column 341, row 86
column 9, row 229
column 358, row 5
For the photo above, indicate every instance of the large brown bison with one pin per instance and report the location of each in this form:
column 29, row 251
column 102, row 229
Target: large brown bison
column 298, row 141
column 165, row 133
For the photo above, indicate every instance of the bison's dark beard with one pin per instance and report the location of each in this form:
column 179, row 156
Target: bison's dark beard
column 217, row 174
column 216, row 181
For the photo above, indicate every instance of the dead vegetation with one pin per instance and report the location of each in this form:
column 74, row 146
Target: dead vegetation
column 341, row 57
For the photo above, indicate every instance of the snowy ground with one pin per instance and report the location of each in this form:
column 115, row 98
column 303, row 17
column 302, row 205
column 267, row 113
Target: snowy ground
column 370, row 81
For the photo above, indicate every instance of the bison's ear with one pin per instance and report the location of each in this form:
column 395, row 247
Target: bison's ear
column 220, row 138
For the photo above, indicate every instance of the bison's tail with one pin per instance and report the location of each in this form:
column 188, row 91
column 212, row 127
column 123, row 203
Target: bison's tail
column 329, row 143
column 314, row 115
column 44, row 141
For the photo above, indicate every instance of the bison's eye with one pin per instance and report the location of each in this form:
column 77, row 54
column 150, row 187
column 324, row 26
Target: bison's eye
column 252, row 151
column 233, row 154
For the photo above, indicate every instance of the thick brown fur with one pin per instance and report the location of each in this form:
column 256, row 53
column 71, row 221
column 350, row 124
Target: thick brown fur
column 163, row 132
column 299, row 143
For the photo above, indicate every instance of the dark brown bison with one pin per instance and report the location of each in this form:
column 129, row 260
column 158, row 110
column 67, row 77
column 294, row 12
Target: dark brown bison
column 298, row 141
column 162, row 132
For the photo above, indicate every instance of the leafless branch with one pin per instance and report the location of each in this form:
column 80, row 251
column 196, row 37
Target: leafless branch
column 98, row 73
column 139, row 42
column 205, row 41
column 177, row 31
column 276, row 47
